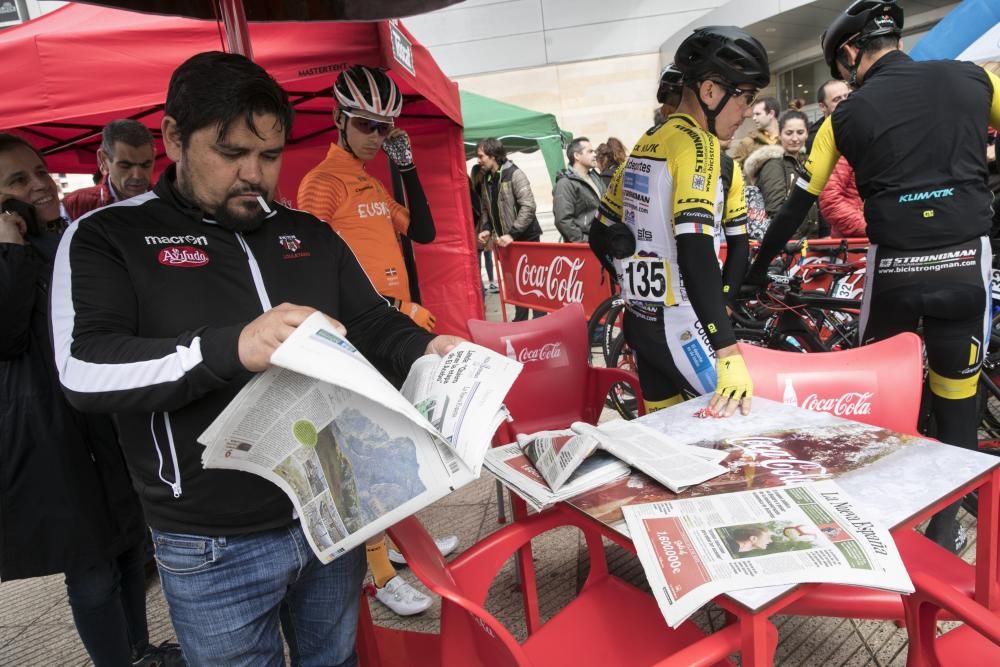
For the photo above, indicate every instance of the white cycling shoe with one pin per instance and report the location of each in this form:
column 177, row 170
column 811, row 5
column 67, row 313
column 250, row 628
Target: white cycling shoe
column 402, row 598
column 445, row 545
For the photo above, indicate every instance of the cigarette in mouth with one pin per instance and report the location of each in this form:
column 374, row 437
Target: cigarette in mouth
column 263, row 204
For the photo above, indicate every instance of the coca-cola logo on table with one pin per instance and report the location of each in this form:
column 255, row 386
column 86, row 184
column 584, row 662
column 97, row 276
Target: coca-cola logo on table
column 558, row 281
column 183, row 256
column 846, row 405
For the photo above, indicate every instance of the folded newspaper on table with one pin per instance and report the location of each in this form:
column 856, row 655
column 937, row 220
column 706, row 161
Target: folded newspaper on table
column 695, row 549
column 557, row 454
column 353, row 454
column 510, row 465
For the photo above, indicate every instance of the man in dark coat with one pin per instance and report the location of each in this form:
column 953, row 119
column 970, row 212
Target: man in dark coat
column 66, row 502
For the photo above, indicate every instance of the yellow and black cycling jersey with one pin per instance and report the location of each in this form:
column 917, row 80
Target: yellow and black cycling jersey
column 919, row 166
column 676, row 181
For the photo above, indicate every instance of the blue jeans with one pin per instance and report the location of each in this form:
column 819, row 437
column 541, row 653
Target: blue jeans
column 225, row 594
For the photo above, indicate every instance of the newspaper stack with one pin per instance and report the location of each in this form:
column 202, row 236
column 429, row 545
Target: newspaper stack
column 695, row 549
column 557, row 454
column 353, row 454
column 512, row 467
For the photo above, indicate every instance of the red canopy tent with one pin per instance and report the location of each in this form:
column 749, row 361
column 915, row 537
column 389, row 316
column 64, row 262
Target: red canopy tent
column 73, row 70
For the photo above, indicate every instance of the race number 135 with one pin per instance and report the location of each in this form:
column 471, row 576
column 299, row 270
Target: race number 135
column 645, row 278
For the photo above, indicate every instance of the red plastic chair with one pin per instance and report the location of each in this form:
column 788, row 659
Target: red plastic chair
column 610, row 622
column 878, row 384
column 557, row 387
column 974, row 644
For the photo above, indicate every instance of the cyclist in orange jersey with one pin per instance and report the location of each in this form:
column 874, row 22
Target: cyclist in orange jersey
column 356, row 204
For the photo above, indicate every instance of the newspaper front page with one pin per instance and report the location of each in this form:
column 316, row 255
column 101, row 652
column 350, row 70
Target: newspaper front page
column 353, row 454
column 695, row 549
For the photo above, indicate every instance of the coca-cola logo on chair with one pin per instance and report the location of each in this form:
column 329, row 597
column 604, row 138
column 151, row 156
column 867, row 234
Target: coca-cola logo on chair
column 558, row 281
column 849, row 404
column 532, row 353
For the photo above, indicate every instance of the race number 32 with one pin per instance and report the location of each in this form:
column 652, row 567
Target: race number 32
column 646, row 278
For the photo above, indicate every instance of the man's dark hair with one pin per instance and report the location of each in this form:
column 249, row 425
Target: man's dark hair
column 127, row 131
column 871, row 45
column 575, row 147
column 493, row 148
column 770, row 105
column 821, row 93
column 9, row 142
column 880, row 42
column 216, row 89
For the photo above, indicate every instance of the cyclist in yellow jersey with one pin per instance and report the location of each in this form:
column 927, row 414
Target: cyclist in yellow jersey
column 662, row 221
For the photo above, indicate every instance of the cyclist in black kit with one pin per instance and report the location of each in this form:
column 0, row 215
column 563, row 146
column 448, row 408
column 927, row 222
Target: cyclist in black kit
column 914, row 134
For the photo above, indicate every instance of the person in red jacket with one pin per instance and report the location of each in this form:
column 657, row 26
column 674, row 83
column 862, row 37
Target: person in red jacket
column 125, row 159
column 841, row 205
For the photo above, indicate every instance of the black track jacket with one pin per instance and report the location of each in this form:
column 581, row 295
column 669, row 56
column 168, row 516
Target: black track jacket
column 148, row 301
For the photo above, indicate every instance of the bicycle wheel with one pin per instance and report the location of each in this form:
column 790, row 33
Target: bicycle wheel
column 595, row 325
column 989, row 404
column 989, row 384
column 613, row 322
column 622, row 398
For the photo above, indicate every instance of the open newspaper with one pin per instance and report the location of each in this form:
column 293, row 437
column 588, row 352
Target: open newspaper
column 353, row 454
column 557, row 454
column 775, row 445
column 512, row 467
column 695, row 549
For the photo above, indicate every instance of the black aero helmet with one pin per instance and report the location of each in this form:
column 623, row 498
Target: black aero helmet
column 726, row 51
column 369, row 91
column 671, row 83
column 863, row 20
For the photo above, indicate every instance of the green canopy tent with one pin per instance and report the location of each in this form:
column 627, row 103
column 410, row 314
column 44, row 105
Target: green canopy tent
column 521, row 130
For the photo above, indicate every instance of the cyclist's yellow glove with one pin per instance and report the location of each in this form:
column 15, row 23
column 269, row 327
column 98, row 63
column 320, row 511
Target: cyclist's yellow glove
column 733, row 378
column 420, row 315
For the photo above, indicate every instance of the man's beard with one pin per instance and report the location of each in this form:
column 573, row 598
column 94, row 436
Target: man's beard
column 250, row 222
column 253, row 221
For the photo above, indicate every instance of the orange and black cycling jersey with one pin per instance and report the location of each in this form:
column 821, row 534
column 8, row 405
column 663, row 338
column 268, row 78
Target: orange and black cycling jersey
column 340, row 192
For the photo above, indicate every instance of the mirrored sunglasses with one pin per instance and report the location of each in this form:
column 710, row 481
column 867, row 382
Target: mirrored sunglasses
column 367, row 125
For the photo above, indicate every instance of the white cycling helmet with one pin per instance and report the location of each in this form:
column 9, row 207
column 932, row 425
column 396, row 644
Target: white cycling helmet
column 368, row 92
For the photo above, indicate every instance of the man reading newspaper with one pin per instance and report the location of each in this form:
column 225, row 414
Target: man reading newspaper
column 164, row 306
